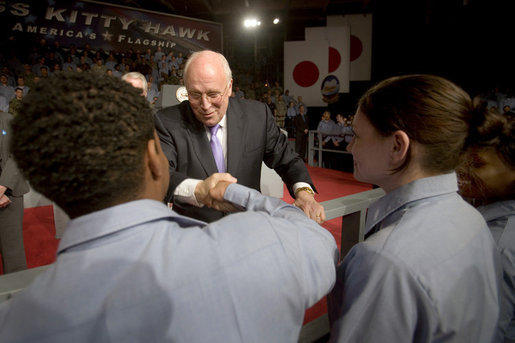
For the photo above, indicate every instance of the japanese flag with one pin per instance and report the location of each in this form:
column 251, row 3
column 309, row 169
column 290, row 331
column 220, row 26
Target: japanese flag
column 339, row 51
column 360, row 43
column 305, row 64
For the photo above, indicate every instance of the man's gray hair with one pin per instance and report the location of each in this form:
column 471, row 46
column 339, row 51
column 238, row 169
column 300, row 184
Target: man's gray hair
column 136, row 75
column 222, row 59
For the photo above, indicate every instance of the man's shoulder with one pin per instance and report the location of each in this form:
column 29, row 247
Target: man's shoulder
column 246, row 109
column 245, row 103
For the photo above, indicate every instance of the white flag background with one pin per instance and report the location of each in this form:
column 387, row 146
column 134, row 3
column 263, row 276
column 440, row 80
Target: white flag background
column 360, row 43
column 305, row 64
column 339, row 51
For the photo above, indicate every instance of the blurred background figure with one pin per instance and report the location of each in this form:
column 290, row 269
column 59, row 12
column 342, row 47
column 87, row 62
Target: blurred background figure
column 12, row 188
column 487, row 180
column 15, row 103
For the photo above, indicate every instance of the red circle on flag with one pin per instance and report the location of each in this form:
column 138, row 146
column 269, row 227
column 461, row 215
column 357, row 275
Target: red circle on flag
column 305, row 74
column 356, row 47
column 334, row 59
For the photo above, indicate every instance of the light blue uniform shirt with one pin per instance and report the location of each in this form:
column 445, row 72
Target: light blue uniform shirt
column 428, row 274
column 291, row 112
column 500, row 217
column 327, row 127
column 138, row 272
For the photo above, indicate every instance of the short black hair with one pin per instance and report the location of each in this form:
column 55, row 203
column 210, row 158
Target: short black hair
column 80, row 139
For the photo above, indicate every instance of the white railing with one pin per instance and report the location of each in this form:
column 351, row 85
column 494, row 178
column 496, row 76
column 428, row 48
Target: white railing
column 12, row 283
column 315, row 148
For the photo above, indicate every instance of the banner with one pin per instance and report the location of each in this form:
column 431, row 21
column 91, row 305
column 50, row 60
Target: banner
column 305, row 64
column 339, row 51
column 360, row 43
column 105, row 26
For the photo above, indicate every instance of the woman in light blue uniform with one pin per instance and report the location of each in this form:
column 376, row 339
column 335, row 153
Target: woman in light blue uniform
column 488, row 179
column 428, row 269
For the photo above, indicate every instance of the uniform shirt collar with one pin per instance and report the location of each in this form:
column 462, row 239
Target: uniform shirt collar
column 118, row 218
column 499, row 209
column 411, row 192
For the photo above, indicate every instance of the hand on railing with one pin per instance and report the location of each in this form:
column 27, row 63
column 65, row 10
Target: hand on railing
column 306, row 202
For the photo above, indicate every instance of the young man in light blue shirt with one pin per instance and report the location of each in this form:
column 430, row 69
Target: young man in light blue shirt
column 129, row 269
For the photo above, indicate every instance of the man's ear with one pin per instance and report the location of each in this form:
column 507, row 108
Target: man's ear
column 400, row 147
column 154, row 157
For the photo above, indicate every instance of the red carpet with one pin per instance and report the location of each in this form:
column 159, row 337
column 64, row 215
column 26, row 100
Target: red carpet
column 39, row 236
column 330, row 184
column 41, row 244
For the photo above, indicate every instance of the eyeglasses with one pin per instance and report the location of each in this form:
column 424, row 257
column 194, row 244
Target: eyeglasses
column 212, row 97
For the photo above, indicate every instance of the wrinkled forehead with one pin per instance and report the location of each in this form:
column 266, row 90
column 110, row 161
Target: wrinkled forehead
column 206, row 80
column 204, row 68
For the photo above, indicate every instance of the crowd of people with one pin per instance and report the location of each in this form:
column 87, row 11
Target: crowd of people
column 227, row 264
column 335, row 134
column 157, row 65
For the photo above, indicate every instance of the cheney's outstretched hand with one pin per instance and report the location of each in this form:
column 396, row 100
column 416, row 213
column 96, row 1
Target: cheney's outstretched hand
column 206, row 193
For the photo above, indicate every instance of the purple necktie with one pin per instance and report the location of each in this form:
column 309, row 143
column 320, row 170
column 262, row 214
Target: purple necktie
column 216, row 147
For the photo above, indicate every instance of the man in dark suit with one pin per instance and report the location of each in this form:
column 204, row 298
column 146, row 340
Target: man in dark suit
column 301, row 132
column 246, row 132
column 12, row 188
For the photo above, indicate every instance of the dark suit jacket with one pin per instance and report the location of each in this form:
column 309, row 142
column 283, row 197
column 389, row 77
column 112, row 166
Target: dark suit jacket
column 252, row 137
column 10, row 176
column 300, row 124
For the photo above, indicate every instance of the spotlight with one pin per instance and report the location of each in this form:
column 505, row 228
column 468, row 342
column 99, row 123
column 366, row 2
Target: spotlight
column 252, row 22
column 276, row 21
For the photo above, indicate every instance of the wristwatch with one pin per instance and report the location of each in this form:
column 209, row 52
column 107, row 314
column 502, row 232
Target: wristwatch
column 307, row 189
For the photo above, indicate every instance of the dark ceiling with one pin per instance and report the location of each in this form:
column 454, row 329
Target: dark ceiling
column 242, row 46
column 294, row 14
column 465, row 40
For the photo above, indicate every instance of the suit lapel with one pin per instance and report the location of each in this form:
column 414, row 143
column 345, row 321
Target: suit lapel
column 200, row 143
column 235, row 136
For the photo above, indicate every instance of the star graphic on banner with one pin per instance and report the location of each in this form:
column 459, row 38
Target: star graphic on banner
column 107, row 36
column 30, row 19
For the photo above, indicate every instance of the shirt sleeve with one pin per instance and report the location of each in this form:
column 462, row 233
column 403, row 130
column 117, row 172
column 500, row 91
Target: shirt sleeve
column 301, row 185
column 310, row 248
column 185, row 192
column 507, row 318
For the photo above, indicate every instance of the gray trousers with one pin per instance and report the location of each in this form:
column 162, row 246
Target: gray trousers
column 11, row 236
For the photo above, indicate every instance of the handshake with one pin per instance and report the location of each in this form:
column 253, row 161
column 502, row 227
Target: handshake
column 210, row 192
